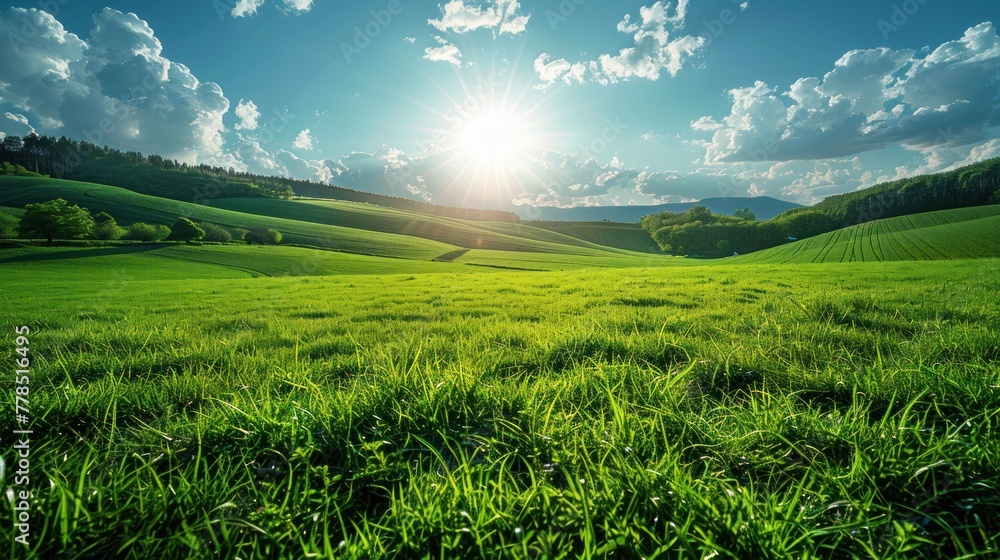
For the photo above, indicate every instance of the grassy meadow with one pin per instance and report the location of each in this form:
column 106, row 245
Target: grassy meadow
column 845, row 410
column 397, row 385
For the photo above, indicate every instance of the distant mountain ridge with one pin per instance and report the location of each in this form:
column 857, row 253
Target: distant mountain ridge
column 764, row 207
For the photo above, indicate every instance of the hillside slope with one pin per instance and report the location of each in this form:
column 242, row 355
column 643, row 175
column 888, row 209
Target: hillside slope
column 110, row 270
column 129, row 207
column 630, row 237
column 499, row 236
column 946, row 234
column 972, row 185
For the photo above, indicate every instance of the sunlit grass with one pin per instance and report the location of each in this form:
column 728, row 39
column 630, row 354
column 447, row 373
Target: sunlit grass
column 726, row 412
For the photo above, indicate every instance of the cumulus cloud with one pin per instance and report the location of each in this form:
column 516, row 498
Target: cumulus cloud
column 654, row 50
column 554, row 178
column 253, row 158
column 393, row 172
column 248, row 114
column 304, row 141
column 811, row 181
column 551, row 71
column 565, row 179
column 551, row 178
column 871, row 99
column 298, row 6
column 705, row 123
column 501, row 16
column 244, row 8
column 297, row 167
column 979, row 153
column 444, row 52
column 114, row 88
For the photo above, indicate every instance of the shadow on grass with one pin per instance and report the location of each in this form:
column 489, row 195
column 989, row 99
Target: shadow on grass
column 102, row 252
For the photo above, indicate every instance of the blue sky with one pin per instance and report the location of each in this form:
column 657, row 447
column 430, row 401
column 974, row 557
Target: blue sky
column 499, row 103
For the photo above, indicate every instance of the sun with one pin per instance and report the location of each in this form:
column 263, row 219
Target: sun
column 492, row 138
column 491, row 135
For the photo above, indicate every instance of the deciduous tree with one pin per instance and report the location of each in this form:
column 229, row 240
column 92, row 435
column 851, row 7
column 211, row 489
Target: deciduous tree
column 56, row 219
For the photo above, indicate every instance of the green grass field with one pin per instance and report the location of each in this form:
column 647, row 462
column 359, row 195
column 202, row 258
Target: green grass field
column 436, row 388
column 787, row 411
column 962, row 233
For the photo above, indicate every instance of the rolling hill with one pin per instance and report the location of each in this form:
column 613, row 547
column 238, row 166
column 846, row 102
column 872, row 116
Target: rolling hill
column 129, row 207
column 343, row 226
column 367, row 229
column 611, row 234
column 110, row 268
column 960, row 233
column 497, row 236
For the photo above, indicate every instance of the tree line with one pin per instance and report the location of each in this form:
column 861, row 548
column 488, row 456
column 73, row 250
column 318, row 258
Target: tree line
column 975, row 185
column 64, row 158
column 58, row 219
column 699, row 232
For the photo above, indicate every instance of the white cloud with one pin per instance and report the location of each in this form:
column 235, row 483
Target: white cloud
column 248, row 114
column 18, row 125
column 871, row 99
column 554, row 178
column 705, row 123
column 444, row 52
column 550, row 71
column 811, row 181
column 979, row 153
column 297, row 167
column 653, row 50
column 410, row 40
column 551, row 178
column 304, row 141
column 462, row 16
column 116, row 88
column 255, row 159
column 246, row 7
column 298, row 6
